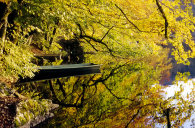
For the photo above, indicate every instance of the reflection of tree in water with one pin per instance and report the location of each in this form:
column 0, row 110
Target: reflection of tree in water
column 193, row 122
column 74, row 51
column 121, row 96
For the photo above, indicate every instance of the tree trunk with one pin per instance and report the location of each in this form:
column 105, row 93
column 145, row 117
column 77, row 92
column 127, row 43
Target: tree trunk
column 4, row 23
column 166, row 112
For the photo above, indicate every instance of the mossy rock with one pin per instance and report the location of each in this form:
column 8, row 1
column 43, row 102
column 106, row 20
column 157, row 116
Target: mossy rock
column 30, row 110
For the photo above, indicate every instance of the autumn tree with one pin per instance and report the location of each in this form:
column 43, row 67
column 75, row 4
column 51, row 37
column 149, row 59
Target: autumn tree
column 131, row 39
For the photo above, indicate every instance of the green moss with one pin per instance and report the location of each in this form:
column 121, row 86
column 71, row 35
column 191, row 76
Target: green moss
column 26, row 116
column 30, row 109
column 22, row 120
column 17, row 123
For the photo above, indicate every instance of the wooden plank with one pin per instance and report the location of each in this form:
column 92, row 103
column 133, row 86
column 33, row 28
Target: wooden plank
column 52, row 72
column 47, row 55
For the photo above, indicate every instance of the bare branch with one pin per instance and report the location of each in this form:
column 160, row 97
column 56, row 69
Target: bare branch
column 80, row 29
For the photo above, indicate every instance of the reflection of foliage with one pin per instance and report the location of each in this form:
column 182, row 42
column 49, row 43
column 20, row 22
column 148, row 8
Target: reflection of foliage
column 104, row 99
column 122, row 96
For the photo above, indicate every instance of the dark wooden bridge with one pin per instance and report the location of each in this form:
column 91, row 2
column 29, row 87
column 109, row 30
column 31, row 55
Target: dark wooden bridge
column 52, row 72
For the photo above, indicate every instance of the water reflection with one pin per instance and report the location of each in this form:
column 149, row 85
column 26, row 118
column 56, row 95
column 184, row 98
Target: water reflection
column 122, row 96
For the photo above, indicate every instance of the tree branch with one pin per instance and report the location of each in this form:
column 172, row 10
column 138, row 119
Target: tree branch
column 110, row 90
column 57, row 101
column 102, row 80
column 52, row 91
column 167, row 112
column 6, row 14
column 61, row 88
column 99, row 41
column 134, row 116
column 4, row 21
column 128, row 18
column 84, row 36
column 107, row 33
column 112, row 72
column 91, row 45
column 132, row 22
column 164, row 16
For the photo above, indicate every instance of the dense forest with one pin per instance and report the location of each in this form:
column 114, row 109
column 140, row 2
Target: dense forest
column 134, row 41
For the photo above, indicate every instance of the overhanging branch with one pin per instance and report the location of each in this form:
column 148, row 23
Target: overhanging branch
column 164, row 17
column 107, row 32
column 84, row 36
column 134, row 116
column 127, row 18
column 97, row 40
column 135, row 26
column 130, row 20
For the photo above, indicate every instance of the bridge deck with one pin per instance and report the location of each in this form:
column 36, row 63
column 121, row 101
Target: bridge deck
column 52, row 72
